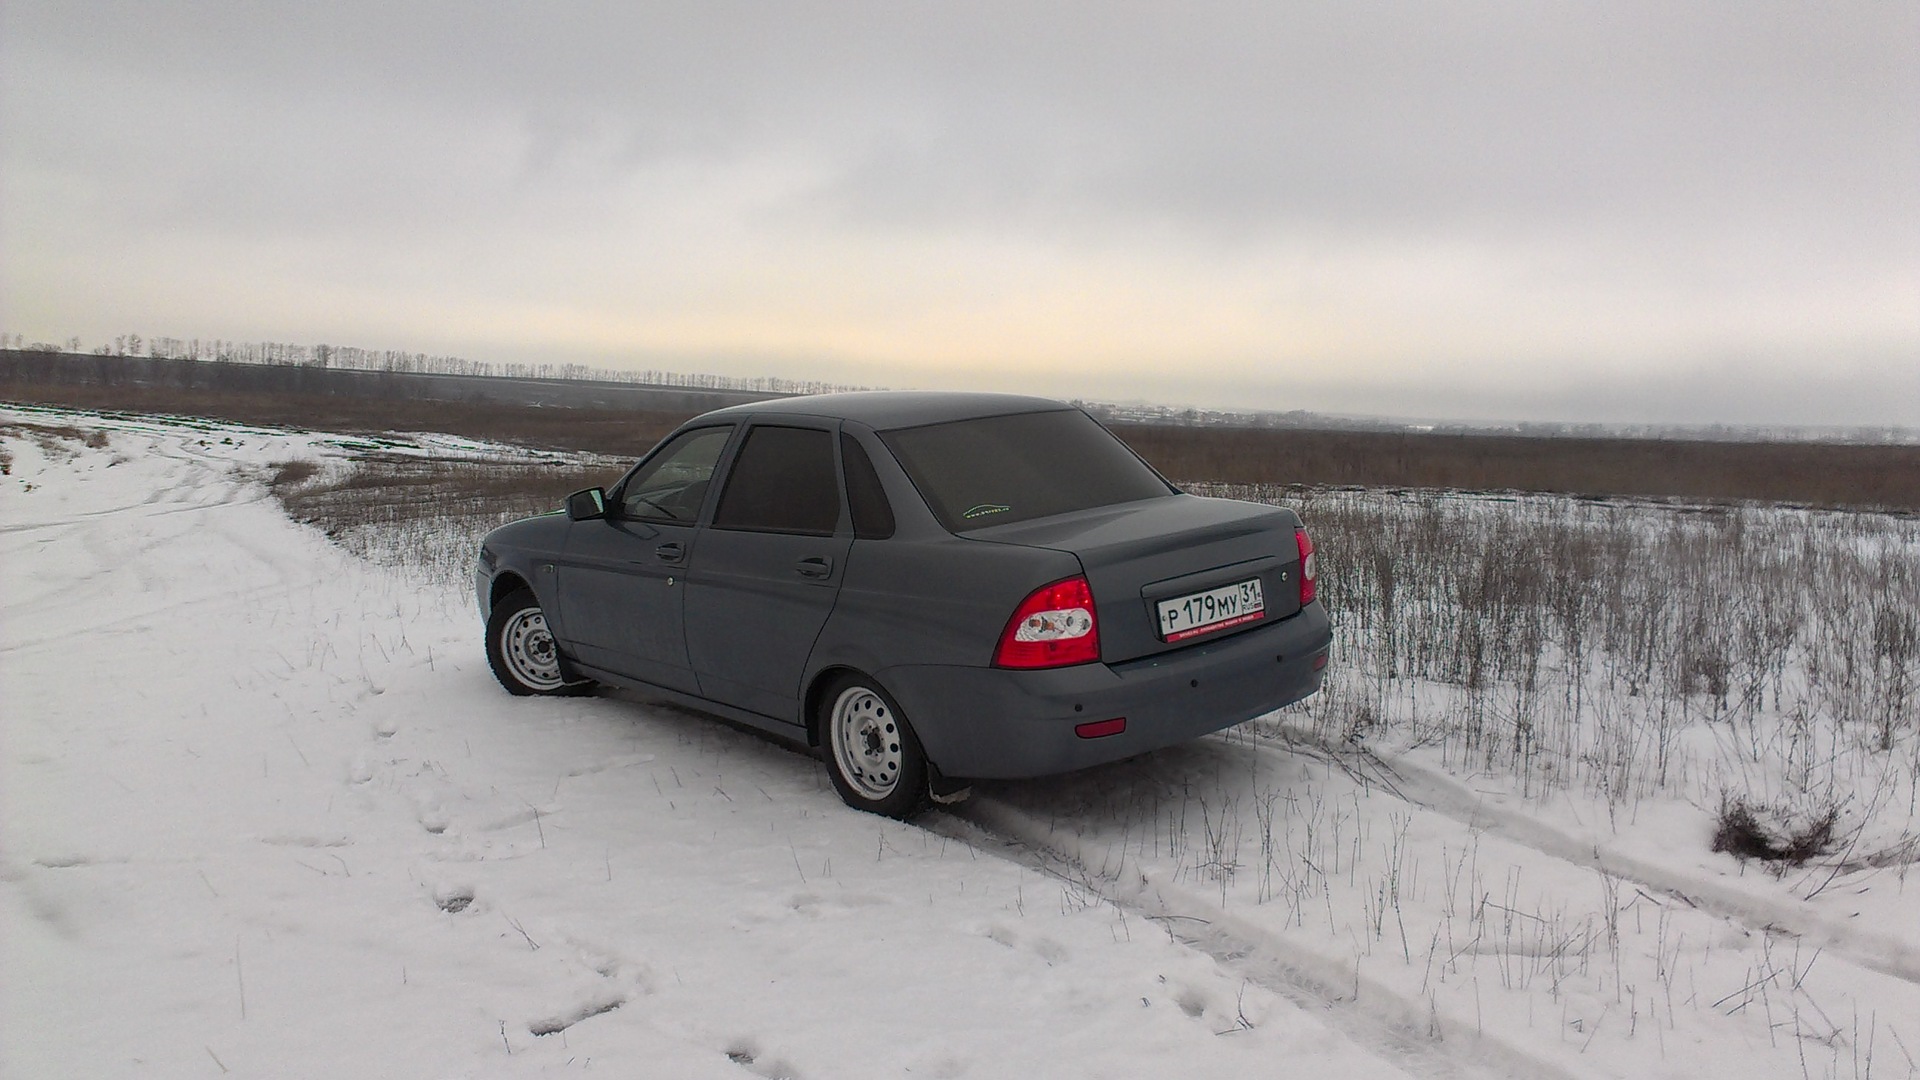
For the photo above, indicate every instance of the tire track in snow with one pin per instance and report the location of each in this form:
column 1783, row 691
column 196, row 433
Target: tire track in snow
column 136, row 620
column 179, row 496
column 1444, row 795
column 84, row 518
column 194, row 481
column 1370, row 1014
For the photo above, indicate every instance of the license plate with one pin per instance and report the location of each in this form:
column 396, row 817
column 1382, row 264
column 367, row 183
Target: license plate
column 1216, row 609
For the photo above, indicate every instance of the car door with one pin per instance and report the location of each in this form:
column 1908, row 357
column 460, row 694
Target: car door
column 763, row 578
column 622, row 578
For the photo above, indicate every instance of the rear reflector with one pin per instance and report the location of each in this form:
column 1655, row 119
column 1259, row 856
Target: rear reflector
column 1101, row 728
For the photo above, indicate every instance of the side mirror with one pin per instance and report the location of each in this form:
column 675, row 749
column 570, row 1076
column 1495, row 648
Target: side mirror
column 587, row 505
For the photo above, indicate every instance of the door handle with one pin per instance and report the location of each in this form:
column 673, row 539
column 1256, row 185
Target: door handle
column 817, row 567
column 670, row 552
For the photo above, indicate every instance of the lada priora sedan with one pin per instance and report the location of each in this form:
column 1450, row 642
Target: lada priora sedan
column 930, row 588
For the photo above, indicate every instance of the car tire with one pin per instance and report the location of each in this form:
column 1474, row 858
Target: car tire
column 873, row 757
column 521, row 650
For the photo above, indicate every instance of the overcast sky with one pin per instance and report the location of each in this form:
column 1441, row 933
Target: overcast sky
column 1612, row 211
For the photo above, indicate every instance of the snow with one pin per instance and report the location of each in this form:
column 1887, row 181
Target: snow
column 263, row 811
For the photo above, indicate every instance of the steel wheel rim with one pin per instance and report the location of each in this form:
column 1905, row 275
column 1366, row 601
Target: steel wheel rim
column 527, row 645
column 867, row 742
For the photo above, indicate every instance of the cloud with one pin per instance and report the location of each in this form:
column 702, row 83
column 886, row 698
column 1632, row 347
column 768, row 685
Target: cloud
column 1227, row 201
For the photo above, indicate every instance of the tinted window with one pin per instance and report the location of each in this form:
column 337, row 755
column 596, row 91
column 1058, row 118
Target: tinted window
column 673, row 483
column 872, row 514
column 1000, row 469
column 783, row 481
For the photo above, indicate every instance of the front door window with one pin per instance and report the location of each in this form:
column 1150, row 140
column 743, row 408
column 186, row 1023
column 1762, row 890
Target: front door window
column 672, row 485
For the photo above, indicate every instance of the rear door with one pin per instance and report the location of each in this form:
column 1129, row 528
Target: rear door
column 763, row 577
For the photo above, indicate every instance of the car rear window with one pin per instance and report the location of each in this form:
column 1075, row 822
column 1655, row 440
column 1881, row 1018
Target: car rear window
column 1000, row 469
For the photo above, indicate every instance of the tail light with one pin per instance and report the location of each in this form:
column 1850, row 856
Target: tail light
column 1309, row 572
column 1053, row 627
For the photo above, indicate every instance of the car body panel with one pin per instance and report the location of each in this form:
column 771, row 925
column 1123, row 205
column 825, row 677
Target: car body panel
column 620, row 598
column 755, row 604
column 934, row 601
column 523, row 551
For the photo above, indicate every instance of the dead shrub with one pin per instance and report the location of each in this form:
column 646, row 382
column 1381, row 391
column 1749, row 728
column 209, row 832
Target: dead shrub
column 52, row 439
column 1745, row 832
column 293, row 473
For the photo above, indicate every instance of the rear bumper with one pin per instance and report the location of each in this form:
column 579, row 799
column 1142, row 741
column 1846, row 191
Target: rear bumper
column 993, row 723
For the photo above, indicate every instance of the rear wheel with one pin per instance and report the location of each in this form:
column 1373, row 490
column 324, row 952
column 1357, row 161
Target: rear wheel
column 872, row 755
column 521, row 650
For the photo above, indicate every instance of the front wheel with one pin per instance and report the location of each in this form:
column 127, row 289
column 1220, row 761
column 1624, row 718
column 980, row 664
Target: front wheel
column 521, row 650
column 872, row 755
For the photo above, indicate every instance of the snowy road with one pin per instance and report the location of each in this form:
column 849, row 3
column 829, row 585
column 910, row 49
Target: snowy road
column 265, row 813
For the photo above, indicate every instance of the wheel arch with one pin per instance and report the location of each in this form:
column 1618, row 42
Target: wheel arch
column 815, row 698
column 817, row 692
column 505, row 584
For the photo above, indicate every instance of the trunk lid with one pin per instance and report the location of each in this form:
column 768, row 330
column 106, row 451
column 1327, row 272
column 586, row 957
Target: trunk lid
column 1138, row 554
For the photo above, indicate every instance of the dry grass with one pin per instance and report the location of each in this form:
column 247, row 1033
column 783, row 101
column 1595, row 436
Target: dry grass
column 393, row 490
column 425, row 513
column 51, row 438
column 1757, row 655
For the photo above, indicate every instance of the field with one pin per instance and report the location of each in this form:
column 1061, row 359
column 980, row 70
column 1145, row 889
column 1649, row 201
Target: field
column 1597, row 788
column 1884, row 476
column 534, row 413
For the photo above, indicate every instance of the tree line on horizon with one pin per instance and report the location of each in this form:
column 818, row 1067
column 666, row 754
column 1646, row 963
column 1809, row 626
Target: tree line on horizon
column 354, row 358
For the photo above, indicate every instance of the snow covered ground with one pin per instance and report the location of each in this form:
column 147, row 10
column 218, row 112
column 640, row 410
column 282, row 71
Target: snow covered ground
column 263, row 812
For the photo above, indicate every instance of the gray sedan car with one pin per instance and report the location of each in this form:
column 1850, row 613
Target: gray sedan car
column 930, row 588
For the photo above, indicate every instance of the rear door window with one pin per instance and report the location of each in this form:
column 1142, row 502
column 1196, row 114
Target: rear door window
column 784, row 480
column 1000, row 469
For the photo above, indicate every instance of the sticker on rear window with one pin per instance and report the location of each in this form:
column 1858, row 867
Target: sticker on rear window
column 984, row 509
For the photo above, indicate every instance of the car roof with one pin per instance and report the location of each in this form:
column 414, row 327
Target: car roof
column 886, row 409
